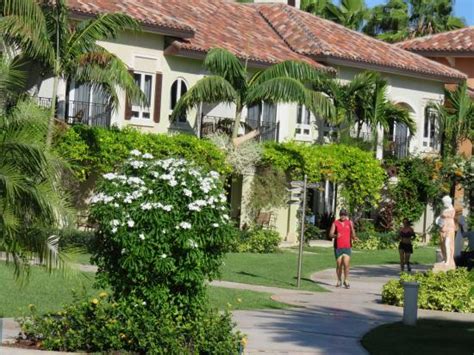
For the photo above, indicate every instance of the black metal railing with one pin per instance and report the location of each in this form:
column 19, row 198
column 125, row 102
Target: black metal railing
column 268, row 131
column 397, row 148
column 80, row 112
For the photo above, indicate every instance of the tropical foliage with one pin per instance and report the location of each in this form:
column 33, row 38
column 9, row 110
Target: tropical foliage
column 364, row 101
column 456, row 118
column 349, row 13
column 30, row 194
column 91, row 151
column 398, row 20
column 230, row 82
column 44, row 33
column 442, row 291
column 358, row 172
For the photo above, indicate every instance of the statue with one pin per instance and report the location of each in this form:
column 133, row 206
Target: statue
column 447, row 231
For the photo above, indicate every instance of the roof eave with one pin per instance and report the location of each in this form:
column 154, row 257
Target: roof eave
column 441, row 53
column 391, row 70
column 147, row 27
column 175, row 50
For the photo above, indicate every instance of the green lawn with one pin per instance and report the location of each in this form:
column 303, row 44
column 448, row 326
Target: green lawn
column 429, row 337
column 48, row 292
column 279, row 269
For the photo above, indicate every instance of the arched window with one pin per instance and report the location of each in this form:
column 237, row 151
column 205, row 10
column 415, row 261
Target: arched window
column 178, row 89
column 429, row 127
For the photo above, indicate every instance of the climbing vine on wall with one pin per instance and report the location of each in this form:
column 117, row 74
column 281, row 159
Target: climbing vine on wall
column 359, row 174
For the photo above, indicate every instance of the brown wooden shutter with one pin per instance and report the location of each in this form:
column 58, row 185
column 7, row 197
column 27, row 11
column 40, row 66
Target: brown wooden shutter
column 158, row 89
column 128, row 103
column 292, row 2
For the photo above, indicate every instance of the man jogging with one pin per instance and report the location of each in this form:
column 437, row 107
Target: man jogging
column 343, row 233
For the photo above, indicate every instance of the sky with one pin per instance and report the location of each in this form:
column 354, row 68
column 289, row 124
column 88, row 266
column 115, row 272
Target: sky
column 463, row 8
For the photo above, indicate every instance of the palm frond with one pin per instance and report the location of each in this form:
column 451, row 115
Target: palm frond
column 104, row 70
column 221, row 62
column 105, row 26
column 291, row 69
column 275, row 90
column 210, row 89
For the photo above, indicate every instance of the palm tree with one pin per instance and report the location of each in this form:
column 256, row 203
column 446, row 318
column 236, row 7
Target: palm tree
column 456, row 119
column 230, row 82
column 350, row 13
column 403, row 19
column 30, row 194
column 363, row 101
column 44, row 32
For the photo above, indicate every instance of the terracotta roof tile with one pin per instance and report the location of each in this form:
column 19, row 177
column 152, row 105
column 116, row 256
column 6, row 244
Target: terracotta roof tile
column 151, row 14
column 320, row 38
column 214, row 23
column 458, row 41
column 263, row 33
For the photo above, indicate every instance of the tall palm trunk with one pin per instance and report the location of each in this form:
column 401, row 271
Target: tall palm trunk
column 238, row 116
column 52, row 117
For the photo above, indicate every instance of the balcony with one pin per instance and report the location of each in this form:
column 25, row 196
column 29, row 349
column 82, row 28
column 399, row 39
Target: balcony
column 268, row 131
column 80, row 112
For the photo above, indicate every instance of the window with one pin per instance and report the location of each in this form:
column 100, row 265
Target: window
column 145, row 83
column 178, row 89
column 429, row 128
column 303, row 121
column 263, row 116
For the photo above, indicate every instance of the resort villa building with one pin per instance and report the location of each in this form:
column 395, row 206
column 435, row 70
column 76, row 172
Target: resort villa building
column 166, row 60
column 456, row 50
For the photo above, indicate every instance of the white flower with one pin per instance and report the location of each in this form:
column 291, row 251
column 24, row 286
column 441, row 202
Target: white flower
column 144, row 303
column 214, row 174
column 215, row 225
column 109, row 176
column 136, row 153
column 147, row 156
column 116, row 205
column 223, row 198
column 101, row 197
column 123, row 251
column 193, row 244
column 184, row 225
column 146, row 206
column 167, row 208
column 137, row 164
column 115, row 222
column 114, row 230
column 142, row 236
column 173, row 183
column 187, row 192
column 133, row 180
column 163, row 256
column 130, row 223
column 226, row 217
column 164, row 231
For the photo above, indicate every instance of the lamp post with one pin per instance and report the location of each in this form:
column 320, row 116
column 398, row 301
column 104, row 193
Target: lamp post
column 298, row 194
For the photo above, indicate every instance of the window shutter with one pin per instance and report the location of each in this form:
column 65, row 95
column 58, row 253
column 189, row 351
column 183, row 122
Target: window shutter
column 158, row 89
column 128, row 103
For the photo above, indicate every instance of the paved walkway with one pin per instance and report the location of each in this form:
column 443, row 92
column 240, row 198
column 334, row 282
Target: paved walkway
column 324, row 322
column 328, row 323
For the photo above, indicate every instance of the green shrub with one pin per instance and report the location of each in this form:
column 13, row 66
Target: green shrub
column 376, row 241
column 441, row 291
column 99, row 150
column 102, row 324
column 257, row 240
column 74, row 238
column 163, row 229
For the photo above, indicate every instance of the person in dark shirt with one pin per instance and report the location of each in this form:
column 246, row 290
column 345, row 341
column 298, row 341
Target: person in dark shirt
column 406, row 235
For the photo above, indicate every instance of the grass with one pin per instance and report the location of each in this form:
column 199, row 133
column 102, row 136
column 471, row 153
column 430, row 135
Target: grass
column 233, row 299
column 49, row 292
column 428, row 337
column 279, row 269
column 46, row 291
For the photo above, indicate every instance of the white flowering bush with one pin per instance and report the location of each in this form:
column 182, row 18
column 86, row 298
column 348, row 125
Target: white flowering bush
column 163, row 228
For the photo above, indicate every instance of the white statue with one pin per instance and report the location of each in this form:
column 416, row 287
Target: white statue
column 447, row 231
